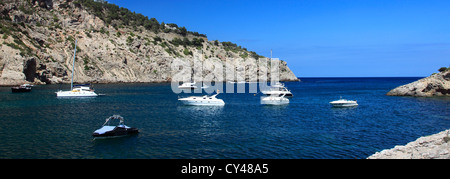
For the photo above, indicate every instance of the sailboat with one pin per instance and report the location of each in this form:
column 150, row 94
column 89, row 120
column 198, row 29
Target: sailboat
column 80, row 90
column 277, row 88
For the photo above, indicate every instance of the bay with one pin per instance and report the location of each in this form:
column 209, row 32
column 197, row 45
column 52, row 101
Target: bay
column 40, row 125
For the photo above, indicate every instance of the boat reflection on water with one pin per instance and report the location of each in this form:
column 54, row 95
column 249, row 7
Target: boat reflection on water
column 204, row 121
column 200, row 111
column 274, row 99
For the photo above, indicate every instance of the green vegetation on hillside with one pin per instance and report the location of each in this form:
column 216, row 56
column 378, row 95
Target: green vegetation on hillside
column 230, row 46
column 196, row 42
column 443, row 69
column 14, row 30
column 16, row 34
column 118, row 16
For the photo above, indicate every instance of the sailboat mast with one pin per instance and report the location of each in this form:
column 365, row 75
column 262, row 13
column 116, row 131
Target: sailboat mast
column 270, row 54
column 73, row 64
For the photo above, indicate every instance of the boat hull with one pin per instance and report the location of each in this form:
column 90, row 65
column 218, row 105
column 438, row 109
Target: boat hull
column 118, row 131
column 343, row 105
column 20, row 90
column 274, row 101
column 187, row 87
column 202, row 102
column 279, row 93
column 76, row 94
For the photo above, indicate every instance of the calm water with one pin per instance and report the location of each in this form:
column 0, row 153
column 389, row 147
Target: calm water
column 39, row 125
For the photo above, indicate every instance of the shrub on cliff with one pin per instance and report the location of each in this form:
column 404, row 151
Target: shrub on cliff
column 187, row 52
column 114, row 15
column 443, row 69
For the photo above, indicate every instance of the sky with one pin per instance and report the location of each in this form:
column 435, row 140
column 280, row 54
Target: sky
column 322, row 38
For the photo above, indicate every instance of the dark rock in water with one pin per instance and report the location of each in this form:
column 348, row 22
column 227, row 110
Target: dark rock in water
column 434, row 85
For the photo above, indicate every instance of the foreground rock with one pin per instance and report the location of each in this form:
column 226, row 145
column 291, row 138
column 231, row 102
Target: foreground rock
column 434, row 85
column 435, row 146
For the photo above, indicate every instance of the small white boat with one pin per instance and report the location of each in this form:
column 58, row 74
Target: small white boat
column 202, row 100
column 188, row 86
column 274, row 99
column 113, row 131
column 22, row 88
column 344, row 103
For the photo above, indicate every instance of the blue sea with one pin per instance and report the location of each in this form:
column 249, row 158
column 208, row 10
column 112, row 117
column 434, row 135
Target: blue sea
column 40, row 125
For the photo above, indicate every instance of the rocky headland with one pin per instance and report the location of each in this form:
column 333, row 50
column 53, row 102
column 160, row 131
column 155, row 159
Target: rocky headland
column 436, row 146
column 37, row 39
column 437, row 84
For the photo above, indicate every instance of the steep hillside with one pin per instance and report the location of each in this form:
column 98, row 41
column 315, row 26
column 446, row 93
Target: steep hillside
column 113, row 45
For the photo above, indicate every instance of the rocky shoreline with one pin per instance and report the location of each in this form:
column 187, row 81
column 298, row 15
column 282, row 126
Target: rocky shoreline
column 118, row 82
column 435, row 85
column 436, row 146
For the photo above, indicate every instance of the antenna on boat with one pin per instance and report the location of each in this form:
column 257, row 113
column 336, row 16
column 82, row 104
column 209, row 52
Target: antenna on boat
column 73, row 64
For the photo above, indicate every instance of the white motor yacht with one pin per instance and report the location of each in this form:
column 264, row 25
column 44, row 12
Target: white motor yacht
column 278, row 89
column 202, row 100
column 188, row 86
column 344, row 103
column 274, row 99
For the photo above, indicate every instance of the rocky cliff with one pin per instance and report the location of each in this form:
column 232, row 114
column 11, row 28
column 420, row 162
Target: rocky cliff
column 436, row 146
column 435, row 85
column 38, row 39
